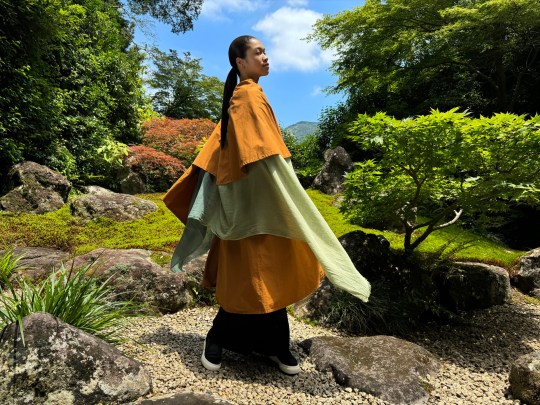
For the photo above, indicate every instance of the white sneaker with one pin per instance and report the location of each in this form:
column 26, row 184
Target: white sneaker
column 214, row 352
column 288, row 364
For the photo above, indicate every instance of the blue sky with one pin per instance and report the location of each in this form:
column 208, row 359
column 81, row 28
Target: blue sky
column 298, row 69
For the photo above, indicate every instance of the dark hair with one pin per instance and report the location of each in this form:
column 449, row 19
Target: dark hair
column 237, row 49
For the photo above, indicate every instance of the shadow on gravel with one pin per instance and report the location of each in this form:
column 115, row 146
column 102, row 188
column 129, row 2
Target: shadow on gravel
column 487, row 340
column 253, row 369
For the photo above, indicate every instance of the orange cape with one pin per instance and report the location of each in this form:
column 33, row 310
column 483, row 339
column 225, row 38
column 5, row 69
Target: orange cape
column 252, row 134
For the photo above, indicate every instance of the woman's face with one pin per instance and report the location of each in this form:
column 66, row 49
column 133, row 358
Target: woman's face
column 255, row 64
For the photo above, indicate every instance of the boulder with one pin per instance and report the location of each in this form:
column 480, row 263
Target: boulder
column 370, row 253
column 61, row 364
column 104, row 203
column 330, row 178
column 132, row 183
column 528, row 277
column 525, row 378
column 35, row 189
column 372, row 257
column 137, row 277
column 184, row 398
column 384, row 366
column 467, row 286
column 130, row 180
column 96, row 190
column 37, row 262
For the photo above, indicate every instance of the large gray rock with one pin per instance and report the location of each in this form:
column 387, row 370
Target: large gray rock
column 132, row 183
column 330, row 178
column 370, row 253
column 37, row 262
column 184, row 398
column 528, row 277
column 35, row 189
column 137, row 277
column 372, row 257
column 104, row 203
column 60, row 364
column 525, row 378
column 384, row 366
column 468, row 286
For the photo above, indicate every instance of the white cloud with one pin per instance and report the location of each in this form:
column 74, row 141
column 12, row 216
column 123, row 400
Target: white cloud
column 217, row 9
column 317, row 91
column 285, row 28
column 297, row 3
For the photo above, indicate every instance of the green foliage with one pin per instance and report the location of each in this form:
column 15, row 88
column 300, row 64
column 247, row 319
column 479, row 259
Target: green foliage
column 8, row 265
column 333, row 126
column 179, row 14
column 305, row 155
column 203, row 296
column 407, row 56
column 440, row 165
column 182, row 90
column 71, row 85
column 447, row 243
column 74, row 297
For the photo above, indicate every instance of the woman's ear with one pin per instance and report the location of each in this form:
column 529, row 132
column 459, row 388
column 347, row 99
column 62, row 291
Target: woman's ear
column 240, row 62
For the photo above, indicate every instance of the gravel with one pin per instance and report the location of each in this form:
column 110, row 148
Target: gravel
column 476, row 355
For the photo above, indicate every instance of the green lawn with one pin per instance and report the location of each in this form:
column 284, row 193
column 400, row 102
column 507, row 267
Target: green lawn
column 477, row 248
column 161, row 230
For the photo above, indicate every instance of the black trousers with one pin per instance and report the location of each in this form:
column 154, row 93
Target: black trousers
column 267, row 334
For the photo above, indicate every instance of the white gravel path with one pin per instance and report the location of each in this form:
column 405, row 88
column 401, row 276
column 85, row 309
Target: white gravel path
column 475, row 355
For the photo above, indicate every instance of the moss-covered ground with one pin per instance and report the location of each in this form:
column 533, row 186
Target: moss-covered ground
column 161, row 230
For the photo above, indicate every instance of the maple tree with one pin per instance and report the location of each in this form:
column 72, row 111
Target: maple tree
column 177, row 138
column 158, row 169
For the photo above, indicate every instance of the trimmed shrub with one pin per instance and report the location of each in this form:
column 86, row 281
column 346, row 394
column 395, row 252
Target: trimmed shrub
column 178, row 138
column 159, row 170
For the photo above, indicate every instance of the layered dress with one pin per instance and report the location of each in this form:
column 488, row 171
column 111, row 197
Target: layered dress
column 267, row 244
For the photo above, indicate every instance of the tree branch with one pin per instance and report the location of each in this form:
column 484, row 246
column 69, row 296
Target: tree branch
column 453, row 221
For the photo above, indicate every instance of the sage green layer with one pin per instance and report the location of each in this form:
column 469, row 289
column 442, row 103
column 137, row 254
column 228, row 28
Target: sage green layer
column 269, row 200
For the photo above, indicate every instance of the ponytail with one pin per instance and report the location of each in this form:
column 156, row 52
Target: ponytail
column 230, row 84
column 237, row 49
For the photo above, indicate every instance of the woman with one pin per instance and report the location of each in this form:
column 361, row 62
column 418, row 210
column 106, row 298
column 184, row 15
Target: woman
column 268, row 243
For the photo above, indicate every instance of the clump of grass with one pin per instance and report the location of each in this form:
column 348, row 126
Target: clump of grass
column 9, row 263
column 75, row 297
column 340, row 310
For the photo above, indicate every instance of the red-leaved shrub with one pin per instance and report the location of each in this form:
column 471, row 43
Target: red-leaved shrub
column 158, row 170
column 178, row 138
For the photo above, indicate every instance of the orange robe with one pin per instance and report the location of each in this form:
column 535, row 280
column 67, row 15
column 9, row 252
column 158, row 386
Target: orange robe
column 261, row 273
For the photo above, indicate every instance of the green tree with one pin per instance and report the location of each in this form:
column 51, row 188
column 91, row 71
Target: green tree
column 71, row 94
column 179, row 14
column 71, row 88
column 434, row 167
column 306, row 156
column 182, row 90
column 407, row 56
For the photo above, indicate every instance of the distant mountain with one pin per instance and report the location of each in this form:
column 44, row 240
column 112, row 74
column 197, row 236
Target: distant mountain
column 302, row 128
